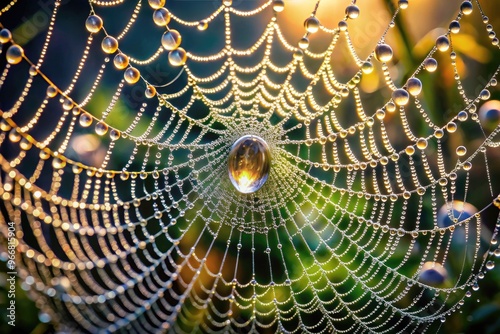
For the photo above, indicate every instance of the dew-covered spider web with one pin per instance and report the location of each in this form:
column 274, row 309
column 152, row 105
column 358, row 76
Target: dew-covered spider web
column 349, row 202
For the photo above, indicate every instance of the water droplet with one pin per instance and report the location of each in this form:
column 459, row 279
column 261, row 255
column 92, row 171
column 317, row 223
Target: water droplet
column 14, row 54
column 171, row 40
column 367, row 67
column 85, row 120
column 400, row 97
column 249, row 163
column 278, row 6
column 383, row 52
column 161, row 17
column 485, row 94
column 76, row 169
column 150, row 91
column 93, row 23
column 439, row 133
column 410, row 150
column 14, row 136
column 497, row 252
column 114, row 134
column 298, row 54
column 51, row 91
column 177, row 57
column 67, row 104
column 422, row 143
column 155, row 4
column 461, row 151
column 304, row 43
column 101, row 128
column 311, row 24
column 451, row 127
column 4, row 126
column 343, row 25
column 442, row 43
column 430, row 64
column 33, row 70
column 490, row 265
column 120, row 61
column 390, row 107
column 352, row 11
column 455, row 27
column 462, row 116
column 5, row 36
column 227, row 3
column 403, row 4
column 25, row 144
column 421, row 191
column 44, row 155
column 58, row 163
column 132, row 75
column 475, row 286
column 202, row 25
column 109, row 44
column 414, row 86
column 380, row 114
column 466, row 7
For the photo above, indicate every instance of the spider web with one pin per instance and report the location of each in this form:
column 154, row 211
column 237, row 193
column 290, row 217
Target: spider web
column 127, row 220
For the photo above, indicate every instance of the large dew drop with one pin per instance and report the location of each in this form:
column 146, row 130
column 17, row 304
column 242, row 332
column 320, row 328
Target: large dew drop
column 430, row 64
column 161, row 17
column 311, row 24
column 155, row 4
column 109, row 44
column 171, row 40
column 14, row 54
column 383, row 53
column 278, row 5
column 414, row 86
column 400, row 97
column 177, row 57
column 93, row 23
column 352, row 11
column 443, row 43
column 249, row 163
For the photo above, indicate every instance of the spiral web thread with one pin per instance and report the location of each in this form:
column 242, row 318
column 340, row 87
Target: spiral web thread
column 357, row 215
